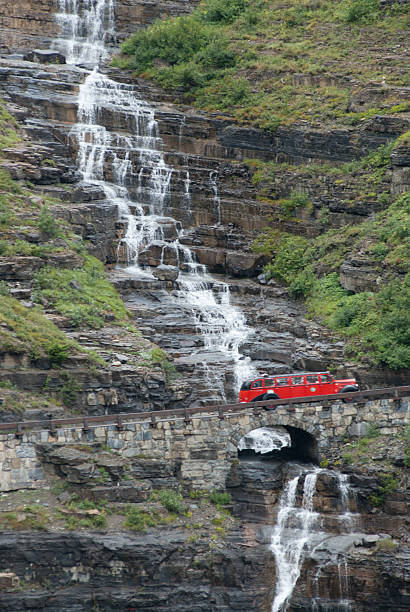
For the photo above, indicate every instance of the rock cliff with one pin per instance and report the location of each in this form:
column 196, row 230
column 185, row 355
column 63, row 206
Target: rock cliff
column 111, row 533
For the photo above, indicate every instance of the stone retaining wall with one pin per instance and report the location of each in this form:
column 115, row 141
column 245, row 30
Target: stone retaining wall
column 204, row 446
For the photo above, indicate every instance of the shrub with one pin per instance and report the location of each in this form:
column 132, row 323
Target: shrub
column 184, row 76
column 347, row 459
column 296, row 200
column 220, row 499
column 389, row 483
column 138, row 520
column 349, row 308
column 386, row 545
column 289, row 257
column 222, row 11
column 69, row 389
column 47, row 223
column 363, row 11
column 173, row 40
column 57, row 351
column 216, row 54
column 171, row 500
column 302, row 284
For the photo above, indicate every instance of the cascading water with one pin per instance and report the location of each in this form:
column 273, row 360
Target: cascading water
column 291, row 535
column 297, row 534
column 265, row 440
column 86, row 26
column 217, row 200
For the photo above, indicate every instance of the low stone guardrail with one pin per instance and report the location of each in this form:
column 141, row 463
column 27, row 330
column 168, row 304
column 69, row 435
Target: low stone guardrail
column 222, row 410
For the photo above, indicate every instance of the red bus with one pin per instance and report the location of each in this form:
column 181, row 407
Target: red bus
column 286, row 386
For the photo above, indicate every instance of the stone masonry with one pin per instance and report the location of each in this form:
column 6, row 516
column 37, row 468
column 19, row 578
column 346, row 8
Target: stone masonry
column 205, row 445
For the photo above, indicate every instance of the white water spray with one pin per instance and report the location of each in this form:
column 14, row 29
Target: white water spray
column 265, row 439
column 291, row 536
column 86, row 28
column 107, row 158
column 297, row 534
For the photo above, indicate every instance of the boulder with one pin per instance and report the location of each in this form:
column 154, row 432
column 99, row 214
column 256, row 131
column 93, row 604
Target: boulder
column 44, row 56
column 166, row 273
column 19, row 268
column 159, row 252
column 245, row 265
column 359, row 274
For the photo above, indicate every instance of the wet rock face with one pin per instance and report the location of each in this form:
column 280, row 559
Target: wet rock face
column 160, row 571
column 358, row 561
column 165, row 569
column 29, row 24
column 369, row 578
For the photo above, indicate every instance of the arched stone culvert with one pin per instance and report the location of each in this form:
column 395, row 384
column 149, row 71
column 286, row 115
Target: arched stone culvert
column 283, row 443
column 270, row 419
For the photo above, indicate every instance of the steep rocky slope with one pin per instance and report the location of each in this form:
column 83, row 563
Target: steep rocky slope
column 338, row 112
column 108, row 534
column 56, row 297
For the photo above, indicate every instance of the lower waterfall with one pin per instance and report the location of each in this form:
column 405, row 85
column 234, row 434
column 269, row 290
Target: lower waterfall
column 297, row 534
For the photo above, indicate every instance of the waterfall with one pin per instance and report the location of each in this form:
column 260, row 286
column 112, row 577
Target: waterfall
column 86, row 27
column 297, row 534
column 106, row 157
column 291, row 535
column 214, row 176
column 265, row 439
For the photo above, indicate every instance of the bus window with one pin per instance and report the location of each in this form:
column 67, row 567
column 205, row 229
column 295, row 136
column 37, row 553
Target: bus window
column 297, row 380
column 282, row 382
column 257, row 384
column 269, row 382
column 312, row 380
column 325, row 378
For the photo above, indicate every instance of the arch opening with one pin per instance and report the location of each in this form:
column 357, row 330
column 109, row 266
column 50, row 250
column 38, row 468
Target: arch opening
column 284, row 443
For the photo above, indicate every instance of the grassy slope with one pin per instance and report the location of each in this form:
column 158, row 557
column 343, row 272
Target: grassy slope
column 376, row 325
column 269, row 63
column 248, row 58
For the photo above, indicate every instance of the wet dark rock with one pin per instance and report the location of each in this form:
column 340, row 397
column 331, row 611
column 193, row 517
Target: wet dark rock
column 166, row 273
column 151, row 571
column 44, row 56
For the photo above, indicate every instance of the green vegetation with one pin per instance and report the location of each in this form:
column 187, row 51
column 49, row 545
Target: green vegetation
column 266, row 63
column 389, row 484
column 171, row 500
column 386, row 545
column 95, row 521
column 47, row 223
column 362, row 11
column 376, row 325
column 8, row 133
column 157, row 356
column 347, row 459
column 27, row 330
column 18, row 401
column 407, row 447
column 33, row 517
column 83, row 295
column 68, row 389
column 220, row 498
column 139, row 520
